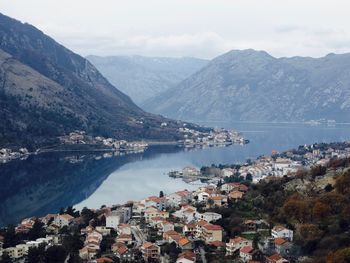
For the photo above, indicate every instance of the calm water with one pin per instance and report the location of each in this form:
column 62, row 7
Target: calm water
column 44, row 183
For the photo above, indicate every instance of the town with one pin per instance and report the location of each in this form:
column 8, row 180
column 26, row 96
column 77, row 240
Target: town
column 277, row 165
column 216, row 221
column 81, row 141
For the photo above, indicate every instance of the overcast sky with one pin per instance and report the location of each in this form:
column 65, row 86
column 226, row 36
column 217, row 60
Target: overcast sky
column 198, row 28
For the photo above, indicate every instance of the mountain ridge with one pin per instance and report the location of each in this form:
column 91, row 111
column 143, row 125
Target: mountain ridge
column 252, row 85
column 144, row 77
column 46, row 90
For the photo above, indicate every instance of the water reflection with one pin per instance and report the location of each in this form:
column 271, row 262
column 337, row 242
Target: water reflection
column 44, row 183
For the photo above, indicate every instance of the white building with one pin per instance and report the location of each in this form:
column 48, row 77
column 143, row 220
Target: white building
column 280, row 231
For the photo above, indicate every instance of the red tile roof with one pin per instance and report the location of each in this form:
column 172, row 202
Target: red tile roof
column 246, row 249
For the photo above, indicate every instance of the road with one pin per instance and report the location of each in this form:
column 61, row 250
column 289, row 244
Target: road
column 139, row 236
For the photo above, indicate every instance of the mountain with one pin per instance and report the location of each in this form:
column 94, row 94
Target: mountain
column 143, row 78
column 47, row 90
column 251, row 85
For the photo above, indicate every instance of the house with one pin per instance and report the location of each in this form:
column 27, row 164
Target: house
column 119, row 216
column 150, row 251
column 165, row 226
column 124, row 238
column 187, row 213
column 124, row 229
column 216, row 200
column 185, row 244
column 199, row 228
column 150, row 214
column 211, row 233
column 282, row 232
column 282, row 246
column 250, row 225
column 63, row 220
column 159, row 202
column 210, row 216
column 122, row 252
column 227, row 172
column 178, row 198
column 246, row 253
column 186, row 257
column 235, row 195
column 235, row 244
column 190, row 171
column 103, row 230
column 276, row 258
column 87, row 253
column 169, row 235
column 189, row 229
column 228, row 187
column 16, row 252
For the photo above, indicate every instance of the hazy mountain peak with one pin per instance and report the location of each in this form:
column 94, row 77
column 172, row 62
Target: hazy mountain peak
column 249, row 85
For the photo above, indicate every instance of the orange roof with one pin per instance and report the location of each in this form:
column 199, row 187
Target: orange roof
column 182, row 193
column 122, row 249
column 212, row 227
column 237, row 240
column 104, row 260
column 66, row 216
column 124, row 236
column 279, row 241
column 275, row 257
column 171, row 233
column 246, row 249
column 188, row 255
column 184, row 241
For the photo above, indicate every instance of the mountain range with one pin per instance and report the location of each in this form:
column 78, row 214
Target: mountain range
column 47, row 90
column 250, row 85
column 143, row 78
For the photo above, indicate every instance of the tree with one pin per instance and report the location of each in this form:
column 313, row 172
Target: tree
column 10, row 237
column 339, row 256
column 249, row 177
column 37, row 231
column 36, row 255
column 5, row 258
column 161, row 194
column 321, row 210
column 55, row 254
column 296, row 207
column 342, row 184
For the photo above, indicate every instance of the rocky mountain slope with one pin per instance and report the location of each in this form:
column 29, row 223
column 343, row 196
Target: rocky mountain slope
column 143, row 78
column 251, row 85
column 47, row 90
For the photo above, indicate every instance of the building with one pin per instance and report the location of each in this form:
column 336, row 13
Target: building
column 17, row 252
column 246, row 253
column 186, row 257
column 63, row 220
column 150, row 251
column 282, row 232
column 210, row 216
column 180, row 197
column 119, row 216
column 211, row 233
column 235, row 244
column 276, row 258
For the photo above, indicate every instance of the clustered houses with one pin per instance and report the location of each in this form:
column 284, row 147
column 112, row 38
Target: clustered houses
column 8, row 154
column 173, row 218
column 277, row 165
column 80, row 137
column 214, row 137
column 140, row 229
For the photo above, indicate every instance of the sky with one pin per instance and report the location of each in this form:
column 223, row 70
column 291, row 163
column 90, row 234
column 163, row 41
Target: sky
column 195, row 28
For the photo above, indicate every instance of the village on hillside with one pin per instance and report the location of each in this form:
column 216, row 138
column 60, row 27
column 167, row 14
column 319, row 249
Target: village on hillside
column 182, row 227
